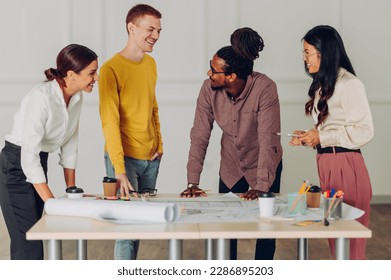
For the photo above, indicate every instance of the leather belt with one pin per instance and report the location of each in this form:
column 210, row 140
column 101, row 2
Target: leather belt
column 333, row 150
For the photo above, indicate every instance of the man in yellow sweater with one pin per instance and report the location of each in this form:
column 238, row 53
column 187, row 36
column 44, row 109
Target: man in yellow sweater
column 129, row 112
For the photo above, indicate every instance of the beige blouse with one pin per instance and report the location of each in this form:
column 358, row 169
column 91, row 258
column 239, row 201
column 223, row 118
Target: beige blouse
column 349, row 123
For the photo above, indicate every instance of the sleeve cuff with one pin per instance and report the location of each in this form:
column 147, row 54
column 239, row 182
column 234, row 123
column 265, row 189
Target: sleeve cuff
column 35, row 175
column 119, row 169
column 68, row 162
column 194, row 178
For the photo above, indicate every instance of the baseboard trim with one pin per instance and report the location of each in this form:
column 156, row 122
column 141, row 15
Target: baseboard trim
column 381, row 199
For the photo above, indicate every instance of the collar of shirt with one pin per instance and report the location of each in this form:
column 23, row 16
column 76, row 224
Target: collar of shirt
column 245, row 92
column 60, row 95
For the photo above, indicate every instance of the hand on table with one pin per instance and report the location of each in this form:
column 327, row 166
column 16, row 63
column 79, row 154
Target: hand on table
column 251, row 194
column 125, row 186
column 192, row 191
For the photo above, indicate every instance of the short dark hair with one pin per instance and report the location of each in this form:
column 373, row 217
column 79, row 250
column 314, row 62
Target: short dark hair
column 71, row 58
column 141, row 10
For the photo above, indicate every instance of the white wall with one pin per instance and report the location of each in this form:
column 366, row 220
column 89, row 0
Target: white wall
column 33, row 32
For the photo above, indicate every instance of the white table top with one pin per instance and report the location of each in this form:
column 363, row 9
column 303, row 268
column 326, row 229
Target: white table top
column 73, row 228
column 284, row 229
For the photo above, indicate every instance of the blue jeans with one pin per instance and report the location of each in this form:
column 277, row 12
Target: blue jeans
column 141, row 174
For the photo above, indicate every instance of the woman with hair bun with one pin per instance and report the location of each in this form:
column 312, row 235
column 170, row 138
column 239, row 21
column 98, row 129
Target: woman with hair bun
column 47, row 120
column 245, row 105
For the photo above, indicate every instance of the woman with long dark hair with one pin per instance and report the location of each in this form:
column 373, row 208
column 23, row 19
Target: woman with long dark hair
column 47, row 120
column 343, row 123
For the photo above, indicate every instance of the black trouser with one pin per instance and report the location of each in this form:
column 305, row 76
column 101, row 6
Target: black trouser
column 264, row 248
column 20, row 203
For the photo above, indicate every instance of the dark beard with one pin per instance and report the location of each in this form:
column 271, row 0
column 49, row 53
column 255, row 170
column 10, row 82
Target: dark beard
column 216, row 88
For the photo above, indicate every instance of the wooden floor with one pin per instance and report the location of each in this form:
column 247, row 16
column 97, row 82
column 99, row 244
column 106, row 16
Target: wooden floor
column 378, row 247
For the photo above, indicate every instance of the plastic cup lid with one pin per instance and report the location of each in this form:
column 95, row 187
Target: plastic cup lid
column 266, row 194
column 109, row 180
column 314, row 189
column 74, row 190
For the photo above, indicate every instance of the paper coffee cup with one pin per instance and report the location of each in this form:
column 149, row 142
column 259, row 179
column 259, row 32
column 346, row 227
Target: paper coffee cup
column 266, row 204
column 313, row 197
column 313, row 200
column 110, row 186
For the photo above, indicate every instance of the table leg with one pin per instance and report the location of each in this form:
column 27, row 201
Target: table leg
column 208, row 249
column 302, row 249
column 81, row 249
column 175, row 249
column 221, row 249
column 54, row 249
column 342, row 248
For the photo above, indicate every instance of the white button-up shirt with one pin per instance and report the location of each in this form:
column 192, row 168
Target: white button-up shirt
column 43, row 123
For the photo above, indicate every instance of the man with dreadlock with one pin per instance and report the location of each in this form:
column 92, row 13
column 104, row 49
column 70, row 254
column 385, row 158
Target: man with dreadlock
column 245, row 105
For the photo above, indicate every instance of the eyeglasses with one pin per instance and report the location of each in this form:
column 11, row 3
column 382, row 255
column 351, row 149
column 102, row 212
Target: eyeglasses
column 307, row 55
column 213, row 70
column 146, row 191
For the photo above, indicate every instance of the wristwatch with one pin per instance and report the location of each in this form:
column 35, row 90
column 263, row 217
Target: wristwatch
column 191, row 185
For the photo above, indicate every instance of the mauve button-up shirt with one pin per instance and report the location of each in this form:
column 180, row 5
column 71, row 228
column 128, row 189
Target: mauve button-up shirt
column 250, row 146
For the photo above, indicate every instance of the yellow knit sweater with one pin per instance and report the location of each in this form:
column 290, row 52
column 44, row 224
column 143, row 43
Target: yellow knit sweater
column 129, row 110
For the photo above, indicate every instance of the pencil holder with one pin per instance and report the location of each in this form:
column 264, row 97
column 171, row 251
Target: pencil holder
column 333, row 210
column 296, row 204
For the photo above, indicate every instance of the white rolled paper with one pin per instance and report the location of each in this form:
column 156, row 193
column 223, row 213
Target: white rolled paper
column 114, row 211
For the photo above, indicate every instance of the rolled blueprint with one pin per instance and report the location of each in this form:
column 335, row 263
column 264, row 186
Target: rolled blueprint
column 114, row 211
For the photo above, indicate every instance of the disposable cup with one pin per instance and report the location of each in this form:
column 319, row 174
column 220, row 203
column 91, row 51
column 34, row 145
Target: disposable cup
column 313, row 197
column 110, row 186
column 266, row 204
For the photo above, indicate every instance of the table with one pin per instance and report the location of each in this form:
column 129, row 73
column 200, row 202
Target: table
column 217, row 235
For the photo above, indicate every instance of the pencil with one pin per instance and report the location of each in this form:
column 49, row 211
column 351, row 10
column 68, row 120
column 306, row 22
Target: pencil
column 300, row 194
